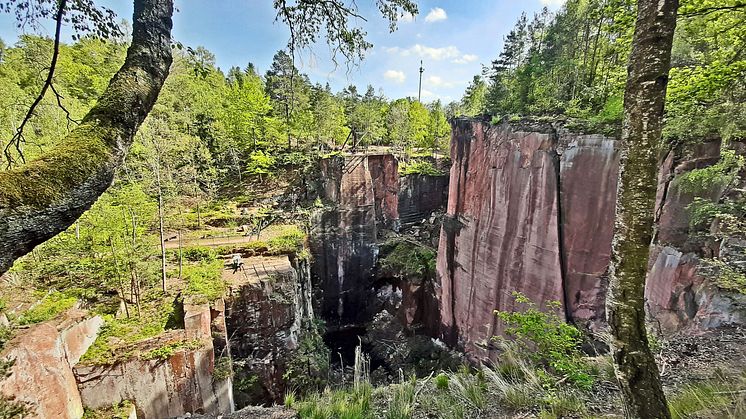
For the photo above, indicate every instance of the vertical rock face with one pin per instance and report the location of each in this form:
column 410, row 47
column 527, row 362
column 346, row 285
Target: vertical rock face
column 681, row 291
column 266, row 319
column 589, row 167
column 529, row 210
column 362, row 193
column 367, row 201
column 420, row 195
column 183, row 382
column 44, row 355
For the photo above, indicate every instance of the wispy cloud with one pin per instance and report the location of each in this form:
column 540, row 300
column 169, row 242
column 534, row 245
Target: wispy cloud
column 438, row 81
column 465, row 59
column 437, row 54
column 435, row 15
column 395, row 75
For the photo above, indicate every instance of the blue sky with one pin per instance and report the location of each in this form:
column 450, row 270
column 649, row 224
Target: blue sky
column 453, row 38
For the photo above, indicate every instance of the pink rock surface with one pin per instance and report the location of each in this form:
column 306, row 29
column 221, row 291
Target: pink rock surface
column 530, row 210
column 503, row 232
column 159, row 388
column 589, row 167
column 44, row 355
column 681, row 299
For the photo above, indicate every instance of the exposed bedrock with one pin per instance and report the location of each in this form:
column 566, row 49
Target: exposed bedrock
column 184, row 381
column 45, row 354
column 682, row 289
column 365, row 202
column 267, row 316
column 530, row 209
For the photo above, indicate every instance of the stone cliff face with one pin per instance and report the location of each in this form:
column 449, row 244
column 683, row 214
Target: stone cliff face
column 183, row 382
column 530, row 209
column 681, row 293
column 267, row 317
column 365, row 201
column 42, row 375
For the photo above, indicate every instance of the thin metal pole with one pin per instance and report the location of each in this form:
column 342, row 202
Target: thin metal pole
column 419, row 93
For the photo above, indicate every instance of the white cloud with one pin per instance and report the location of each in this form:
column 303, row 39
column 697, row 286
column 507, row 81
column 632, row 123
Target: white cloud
column 436, row 14
column 465, row 59
column 395, row 75
column 406, row 18
column 437, row 54
column 437, row 81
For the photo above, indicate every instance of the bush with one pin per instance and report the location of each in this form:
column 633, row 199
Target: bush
column 550, row 341
column 49, row 307
column 441, row 381
column 411, row 260
column 169, row 349
column 199, row 253
column 421, row 167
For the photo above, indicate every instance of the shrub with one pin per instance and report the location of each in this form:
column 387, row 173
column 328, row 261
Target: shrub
column 411, row 260
column 550, row 341
column 199, row 253
column 49, row 307
column 167, row 350
column 223, row 368
column 421, row 167
column 441, row 381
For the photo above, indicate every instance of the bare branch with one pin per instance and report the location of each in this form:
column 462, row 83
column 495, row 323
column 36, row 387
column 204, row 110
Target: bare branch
column 18, row 136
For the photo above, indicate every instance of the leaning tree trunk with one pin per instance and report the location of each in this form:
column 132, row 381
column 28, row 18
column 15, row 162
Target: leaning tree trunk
column 45, row 196
column 644, row 100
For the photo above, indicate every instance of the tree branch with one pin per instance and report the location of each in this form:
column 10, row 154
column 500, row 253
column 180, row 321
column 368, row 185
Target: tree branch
column 18, row 136
column 44, row 197
column 708, row 10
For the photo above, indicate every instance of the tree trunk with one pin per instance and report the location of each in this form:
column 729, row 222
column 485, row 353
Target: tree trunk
column 160, row 226
column 644, row 100
column 46, row 196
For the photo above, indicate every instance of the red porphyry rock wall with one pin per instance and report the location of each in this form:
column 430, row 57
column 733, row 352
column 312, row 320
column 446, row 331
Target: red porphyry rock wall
column 530, row 210
column 42, row 375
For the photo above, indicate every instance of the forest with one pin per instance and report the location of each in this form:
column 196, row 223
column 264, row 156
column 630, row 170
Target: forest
column 264, row 196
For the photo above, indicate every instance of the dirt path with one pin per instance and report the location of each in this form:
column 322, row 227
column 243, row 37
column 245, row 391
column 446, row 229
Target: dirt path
column 235, row 238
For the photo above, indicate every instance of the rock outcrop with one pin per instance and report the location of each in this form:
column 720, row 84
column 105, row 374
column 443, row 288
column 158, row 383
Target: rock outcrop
column 530, row 210
column 45, row 354
column 682, row 291
column 177, row 383
column 267, row 316
column 365, row 201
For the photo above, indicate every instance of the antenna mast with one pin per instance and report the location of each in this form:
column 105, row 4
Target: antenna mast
column 419, row 94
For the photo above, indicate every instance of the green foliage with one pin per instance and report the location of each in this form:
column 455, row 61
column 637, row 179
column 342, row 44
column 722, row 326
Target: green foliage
column 727, row 276
column 339, row 404
column 118, row 335
column 550, row 341
column 223, row 368
column 719, row 175
column 6, row 334
column 307, row 370
column 441, row 381
column 707, row 399
column 204, row 281
column 49, row 307
column 410, row 260
column 402, row 404
column 199, row 254
column 260, row 163
column 422, row 167
column 168, row 350
column 117, row 411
